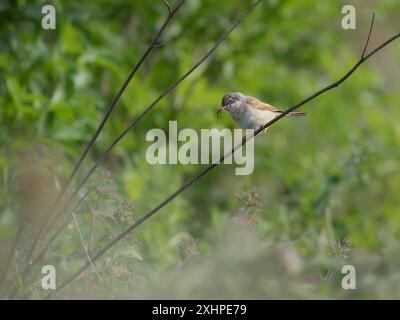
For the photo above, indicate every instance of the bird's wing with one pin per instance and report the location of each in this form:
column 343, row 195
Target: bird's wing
column 257, row 104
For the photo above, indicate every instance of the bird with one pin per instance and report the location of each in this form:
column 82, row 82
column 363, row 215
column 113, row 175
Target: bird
column 249, row 112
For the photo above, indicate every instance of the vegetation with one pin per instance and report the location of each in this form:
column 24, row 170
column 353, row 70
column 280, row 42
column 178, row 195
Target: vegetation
column 324, row 191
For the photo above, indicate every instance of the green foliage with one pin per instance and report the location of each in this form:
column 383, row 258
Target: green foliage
column 327, row 186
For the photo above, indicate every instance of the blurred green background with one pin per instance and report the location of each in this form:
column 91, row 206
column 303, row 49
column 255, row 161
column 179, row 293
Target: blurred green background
column 324, row 191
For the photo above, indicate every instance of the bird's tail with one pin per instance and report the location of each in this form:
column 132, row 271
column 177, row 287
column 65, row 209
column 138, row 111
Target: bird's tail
column 297, row 114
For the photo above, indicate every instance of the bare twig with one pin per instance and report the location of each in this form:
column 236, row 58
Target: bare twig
column 168, row 6
column 84, row 245
column 103, row 121
column 369, row 35
column 160, row 44
column 212, row 166
column 329, row 87
column 90, row 238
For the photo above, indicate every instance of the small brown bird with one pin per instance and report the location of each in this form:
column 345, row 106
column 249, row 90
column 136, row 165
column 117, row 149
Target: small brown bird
column 249, row 112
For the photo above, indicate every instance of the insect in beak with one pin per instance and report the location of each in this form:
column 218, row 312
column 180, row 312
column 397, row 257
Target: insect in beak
column 220, row 110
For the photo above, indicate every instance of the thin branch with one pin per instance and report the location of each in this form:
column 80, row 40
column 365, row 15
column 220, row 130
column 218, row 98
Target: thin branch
column 91, row 226
column 151, row 106
column 160, row 44
column 168, row 6
column 84, row 245
column 212, row 166
column 369, row 35
column 103, row 121
column 329, row 87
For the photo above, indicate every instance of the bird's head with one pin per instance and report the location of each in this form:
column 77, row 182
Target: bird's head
column 230, row 101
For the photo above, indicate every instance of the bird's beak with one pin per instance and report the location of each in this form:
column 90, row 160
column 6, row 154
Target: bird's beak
column 221, row 109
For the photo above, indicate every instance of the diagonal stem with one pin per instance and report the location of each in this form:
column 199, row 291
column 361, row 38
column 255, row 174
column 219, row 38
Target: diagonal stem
column 369, row 35
column 84, row 245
